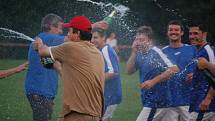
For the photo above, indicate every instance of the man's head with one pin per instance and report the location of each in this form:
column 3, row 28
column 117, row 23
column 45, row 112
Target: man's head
column 143, row 39
column 112, row 35
column 79, row 28
column 197, row 35
column 175, row 31
column 98, row 37
column 52, row 23
column 144, row 34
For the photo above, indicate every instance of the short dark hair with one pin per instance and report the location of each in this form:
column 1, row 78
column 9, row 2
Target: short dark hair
column 101, row 32
column 176, row 22
column 86, row 36
column 200, row 25
column 146, row 30
column 50, row 20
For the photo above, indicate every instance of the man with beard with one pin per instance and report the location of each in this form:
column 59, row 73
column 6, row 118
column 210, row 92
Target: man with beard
column 202, row 105
column 182, row 55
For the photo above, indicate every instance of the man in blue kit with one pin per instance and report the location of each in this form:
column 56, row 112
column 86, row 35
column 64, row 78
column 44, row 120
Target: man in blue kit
column 113, row 89
column 154, row 67
column 41, row 84
column 183, row 55
column 202, row 105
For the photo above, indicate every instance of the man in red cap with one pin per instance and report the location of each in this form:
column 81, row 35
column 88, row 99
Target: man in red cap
column 82, row 71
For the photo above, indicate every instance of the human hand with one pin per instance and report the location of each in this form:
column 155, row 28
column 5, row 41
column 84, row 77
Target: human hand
column 22, row 67
column 147, row 84
column 189, row 77
column 205, row 104
column 101, row 25
column 37, row 43
column 202, row 63
column 140, row 46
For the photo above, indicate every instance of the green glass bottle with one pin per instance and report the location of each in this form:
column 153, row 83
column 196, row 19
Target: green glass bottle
column 47, row 62
column 109, row 18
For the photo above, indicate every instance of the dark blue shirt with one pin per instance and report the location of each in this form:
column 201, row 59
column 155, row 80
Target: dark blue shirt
column 40, row 80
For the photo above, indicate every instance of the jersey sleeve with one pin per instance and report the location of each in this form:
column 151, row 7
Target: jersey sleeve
column 111, row 60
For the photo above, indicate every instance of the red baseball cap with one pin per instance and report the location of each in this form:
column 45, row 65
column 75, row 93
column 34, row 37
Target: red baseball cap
column 79, row 22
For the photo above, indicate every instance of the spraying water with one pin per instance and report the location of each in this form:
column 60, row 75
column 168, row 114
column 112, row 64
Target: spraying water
column 121, row 9
column 175, row 12
column 15, row 34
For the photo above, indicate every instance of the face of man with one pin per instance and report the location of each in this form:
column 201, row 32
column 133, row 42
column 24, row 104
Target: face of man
column 195, row 36
column 98, row 40
column 174, row 33
column 143, row 42
column 72, row 36
column 57, row 29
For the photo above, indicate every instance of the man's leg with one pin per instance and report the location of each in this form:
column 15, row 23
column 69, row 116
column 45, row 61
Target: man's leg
column 151, row 114
column 42, row 107
column 109, row 113
column 195, row 116
column 210, row 116
column 184, row 114
column 171, row 115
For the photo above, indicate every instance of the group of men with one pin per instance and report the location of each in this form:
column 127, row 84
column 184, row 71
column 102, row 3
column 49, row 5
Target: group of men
column 87, row 65
column 90, row 72
column 173, row 84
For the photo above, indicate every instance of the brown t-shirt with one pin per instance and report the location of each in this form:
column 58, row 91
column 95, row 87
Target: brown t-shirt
column 83, row 76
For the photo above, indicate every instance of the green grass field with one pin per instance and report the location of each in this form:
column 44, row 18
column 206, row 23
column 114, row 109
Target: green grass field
column 15, row 107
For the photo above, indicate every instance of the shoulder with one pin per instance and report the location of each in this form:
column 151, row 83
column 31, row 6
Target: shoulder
column 165, row 47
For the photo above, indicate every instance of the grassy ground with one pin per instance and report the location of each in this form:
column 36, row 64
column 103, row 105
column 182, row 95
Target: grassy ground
column 15, row 107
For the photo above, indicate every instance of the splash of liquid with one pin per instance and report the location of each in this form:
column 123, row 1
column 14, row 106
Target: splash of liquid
column 175, row 12
column 15, row 34
column 121, row 9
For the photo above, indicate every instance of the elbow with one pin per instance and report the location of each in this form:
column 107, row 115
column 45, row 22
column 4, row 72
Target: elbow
column 130, row 71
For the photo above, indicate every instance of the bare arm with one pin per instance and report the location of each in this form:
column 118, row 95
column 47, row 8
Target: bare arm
column 9, row 72
column 131, row 64
column 42, row 49
column 159, row 78
column 204, row 64
column 207, row 101
column 131, row 61
column 109, row 76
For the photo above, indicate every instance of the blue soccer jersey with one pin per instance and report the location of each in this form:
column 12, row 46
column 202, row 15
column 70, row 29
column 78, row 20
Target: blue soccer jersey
column 200, row 84
column 179, row 87
column 40, row 80
column 150, row 65
column 113, row 89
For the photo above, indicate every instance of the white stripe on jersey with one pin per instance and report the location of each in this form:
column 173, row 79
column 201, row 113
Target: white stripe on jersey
column 107, row 59
column 210, row 53
column 51, row 53
column 163, row 56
